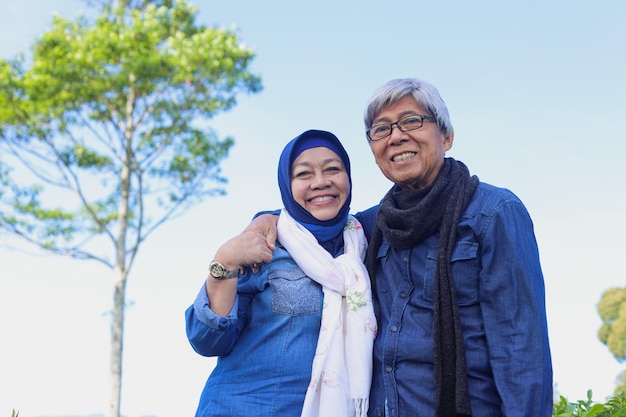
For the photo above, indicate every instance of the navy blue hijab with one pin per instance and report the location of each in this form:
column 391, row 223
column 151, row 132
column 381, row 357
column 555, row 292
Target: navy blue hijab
column 329, row 233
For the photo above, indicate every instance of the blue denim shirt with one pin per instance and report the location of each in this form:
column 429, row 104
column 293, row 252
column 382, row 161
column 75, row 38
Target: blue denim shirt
column 265, row 346
column 501, row 297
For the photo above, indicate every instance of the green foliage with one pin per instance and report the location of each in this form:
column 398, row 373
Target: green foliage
column 612, row 311
column 614, row 407
column 111, row 120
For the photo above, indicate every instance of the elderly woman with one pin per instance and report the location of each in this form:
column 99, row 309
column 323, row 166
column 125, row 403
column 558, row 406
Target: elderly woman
column 294, row 338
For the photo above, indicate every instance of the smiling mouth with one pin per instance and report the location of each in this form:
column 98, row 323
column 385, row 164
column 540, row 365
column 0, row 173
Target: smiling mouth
column 321, row 199
column 403, row 156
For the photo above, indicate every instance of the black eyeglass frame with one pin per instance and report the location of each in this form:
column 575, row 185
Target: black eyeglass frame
column 397, row 124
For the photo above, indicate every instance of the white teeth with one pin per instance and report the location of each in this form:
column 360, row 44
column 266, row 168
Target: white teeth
column 321, row 199
column 403, row 156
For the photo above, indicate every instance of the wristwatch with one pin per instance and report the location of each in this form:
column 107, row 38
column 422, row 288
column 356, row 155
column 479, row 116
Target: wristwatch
column 219, row 271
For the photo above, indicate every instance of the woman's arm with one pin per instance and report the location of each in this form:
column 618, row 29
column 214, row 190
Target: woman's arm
column 248, row 249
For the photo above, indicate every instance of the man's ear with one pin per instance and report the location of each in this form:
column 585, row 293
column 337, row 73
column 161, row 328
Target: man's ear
column 447, row 142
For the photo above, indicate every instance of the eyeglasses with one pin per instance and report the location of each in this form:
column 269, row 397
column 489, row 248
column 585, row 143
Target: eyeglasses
column 406, row 124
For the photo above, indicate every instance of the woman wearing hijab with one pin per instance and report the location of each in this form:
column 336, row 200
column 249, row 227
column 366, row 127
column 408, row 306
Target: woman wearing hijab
column 294, row 337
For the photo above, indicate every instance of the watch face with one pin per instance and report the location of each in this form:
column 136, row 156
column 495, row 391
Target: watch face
column 217, row 270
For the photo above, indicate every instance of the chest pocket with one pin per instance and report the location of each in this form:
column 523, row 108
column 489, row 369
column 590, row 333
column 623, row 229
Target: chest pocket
column 294, row 293
column 465, row 273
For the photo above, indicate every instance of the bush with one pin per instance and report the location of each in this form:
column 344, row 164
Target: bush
column 614, row 407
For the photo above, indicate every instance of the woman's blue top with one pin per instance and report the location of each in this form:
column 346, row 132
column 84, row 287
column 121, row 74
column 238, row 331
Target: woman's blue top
column 265, row 346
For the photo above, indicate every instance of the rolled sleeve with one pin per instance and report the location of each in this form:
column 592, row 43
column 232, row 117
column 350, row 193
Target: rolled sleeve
column 208, row 333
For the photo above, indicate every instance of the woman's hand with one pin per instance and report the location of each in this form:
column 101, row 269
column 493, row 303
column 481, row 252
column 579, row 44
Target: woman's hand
column 264, row 225
column 248, row 249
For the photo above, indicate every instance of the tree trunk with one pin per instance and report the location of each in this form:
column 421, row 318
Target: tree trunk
column 117, row 341
column 122, row 268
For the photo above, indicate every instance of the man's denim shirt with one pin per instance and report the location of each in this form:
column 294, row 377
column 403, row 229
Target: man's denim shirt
column 501, row 297
column 265, row 346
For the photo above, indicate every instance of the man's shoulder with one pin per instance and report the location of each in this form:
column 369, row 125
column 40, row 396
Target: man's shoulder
column 488, row 198
column 367, row 218
column 495, row 193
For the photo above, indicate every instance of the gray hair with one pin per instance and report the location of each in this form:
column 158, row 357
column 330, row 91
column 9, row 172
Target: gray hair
column 424, row 93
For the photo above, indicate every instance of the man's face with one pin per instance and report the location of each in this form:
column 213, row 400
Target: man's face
column 411, row 159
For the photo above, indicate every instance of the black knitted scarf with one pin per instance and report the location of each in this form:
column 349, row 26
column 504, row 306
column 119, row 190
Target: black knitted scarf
column 406, row 218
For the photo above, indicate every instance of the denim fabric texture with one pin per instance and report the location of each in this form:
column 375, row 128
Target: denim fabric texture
column 500, row 292
column 265, row 346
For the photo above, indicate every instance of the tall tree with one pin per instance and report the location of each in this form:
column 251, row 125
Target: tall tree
column 105, row 135
column 612, row 310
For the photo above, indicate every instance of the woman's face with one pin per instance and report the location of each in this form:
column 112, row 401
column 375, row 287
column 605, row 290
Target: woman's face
column 319, row 182
column 411, row 159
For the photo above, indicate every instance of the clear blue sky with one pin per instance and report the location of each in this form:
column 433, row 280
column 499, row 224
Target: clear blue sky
column 536, row 94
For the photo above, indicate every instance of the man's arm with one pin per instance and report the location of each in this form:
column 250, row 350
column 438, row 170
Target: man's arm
column 264, row 223
column 514, row 311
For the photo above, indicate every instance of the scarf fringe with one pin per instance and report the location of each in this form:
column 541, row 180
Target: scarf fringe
column 361, row 405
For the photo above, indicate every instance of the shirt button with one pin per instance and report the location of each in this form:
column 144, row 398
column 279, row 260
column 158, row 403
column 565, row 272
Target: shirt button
column 388, row 368
column 402, row 294
column 394, row 328
column 379, row 413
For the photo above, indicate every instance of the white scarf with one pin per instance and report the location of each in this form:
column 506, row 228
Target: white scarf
column 342, row 367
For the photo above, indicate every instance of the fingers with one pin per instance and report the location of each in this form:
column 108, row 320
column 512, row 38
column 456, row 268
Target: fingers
column 248, row 249
column 270, row 239
column 258, row 251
